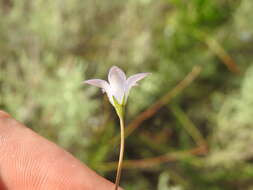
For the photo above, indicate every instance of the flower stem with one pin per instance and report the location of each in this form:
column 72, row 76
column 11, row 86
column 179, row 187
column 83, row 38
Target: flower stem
column 121, row 154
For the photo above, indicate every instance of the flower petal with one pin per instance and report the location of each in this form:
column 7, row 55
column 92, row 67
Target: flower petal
column 98, row 83
column 116, row 72
column 117, row 80
column 132, row 80
column 102, row 84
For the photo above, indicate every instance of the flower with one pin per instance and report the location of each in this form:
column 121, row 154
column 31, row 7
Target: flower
column 119, row 86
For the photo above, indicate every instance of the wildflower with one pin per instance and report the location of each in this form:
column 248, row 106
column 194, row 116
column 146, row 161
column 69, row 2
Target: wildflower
column 117, row 91
column 119, row 86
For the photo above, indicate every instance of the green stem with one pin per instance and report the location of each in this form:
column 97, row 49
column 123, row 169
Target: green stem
column 121, row 154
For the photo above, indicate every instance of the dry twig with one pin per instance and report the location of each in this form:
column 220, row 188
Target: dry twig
column 221, row 53
column 154, row 161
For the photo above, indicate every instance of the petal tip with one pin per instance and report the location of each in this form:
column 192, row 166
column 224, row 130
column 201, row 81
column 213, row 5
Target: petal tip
column 97, row 82
column 147, row 73
column 86, row 81
column 114, row 68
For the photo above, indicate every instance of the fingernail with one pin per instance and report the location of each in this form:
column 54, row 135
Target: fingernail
column 4, row 114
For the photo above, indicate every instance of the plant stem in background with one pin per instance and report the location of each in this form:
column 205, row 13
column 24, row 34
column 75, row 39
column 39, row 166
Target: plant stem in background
column 121, row 154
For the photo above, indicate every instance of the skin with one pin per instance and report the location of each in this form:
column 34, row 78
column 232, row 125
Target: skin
column 30, row 162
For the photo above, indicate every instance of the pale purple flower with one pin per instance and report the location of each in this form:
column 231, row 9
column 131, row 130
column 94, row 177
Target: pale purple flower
column 119, row 85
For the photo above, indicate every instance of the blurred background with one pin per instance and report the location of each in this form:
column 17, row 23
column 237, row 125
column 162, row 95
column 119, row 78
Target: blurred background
column 189, row 124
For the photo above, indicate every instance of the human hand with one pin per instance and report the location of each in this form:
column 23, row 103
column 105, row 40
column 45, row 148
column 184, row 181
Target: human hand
column 30, row 162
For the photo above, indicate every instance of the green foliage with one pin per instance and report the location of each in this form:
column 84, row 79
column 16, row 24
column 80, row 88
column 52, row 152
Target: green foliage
column 49, row 47
column 163, row 183
column 233, row 137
